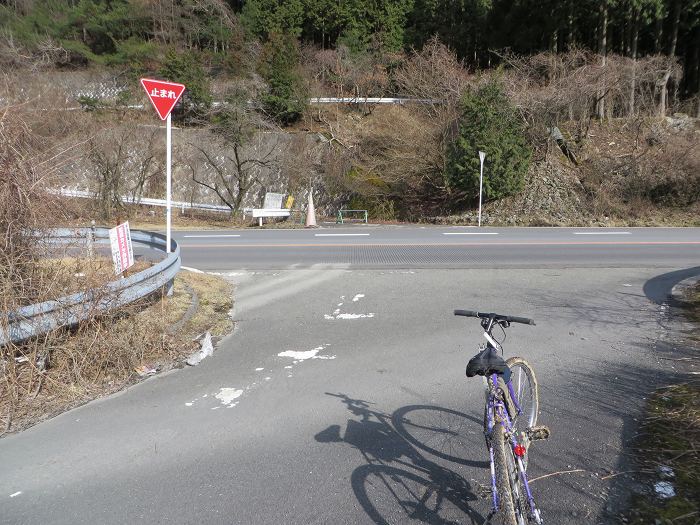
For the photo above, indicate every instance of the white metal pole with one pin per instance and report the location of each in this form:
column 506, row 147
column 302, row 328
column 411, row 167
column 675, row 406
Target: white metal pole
column 482, row 155
column 168, row 160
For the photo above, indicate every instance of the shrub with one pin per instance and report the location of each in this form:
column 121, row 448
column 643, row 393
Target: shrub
column 488, row 123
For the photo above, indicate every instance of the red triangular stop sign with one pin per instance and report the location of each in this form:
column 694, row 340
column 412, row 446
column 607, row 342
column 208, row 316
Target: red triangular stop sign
column 163, row 95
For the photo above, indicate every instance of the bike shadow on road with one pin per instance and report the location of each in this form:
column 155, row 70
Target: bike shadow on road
column 398, row 483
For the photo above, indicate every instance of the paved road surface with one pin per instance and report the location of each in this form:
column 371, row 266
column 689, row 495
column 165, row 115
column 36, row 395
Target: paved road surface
column 440, row 247
column 342, row 396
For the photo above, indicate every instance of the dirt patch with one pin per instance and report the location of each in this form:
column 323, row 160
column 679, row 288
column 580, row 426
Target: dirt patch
column 630, row 173
column 67, row 368
column 553, row 196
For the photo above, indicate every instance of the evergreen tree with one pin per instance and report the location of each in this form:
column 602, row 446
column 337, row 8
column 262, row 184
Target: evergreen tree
column 488, row 123
column 287, row 96
column 460, row 24
column 186, row 69
column 264, row 17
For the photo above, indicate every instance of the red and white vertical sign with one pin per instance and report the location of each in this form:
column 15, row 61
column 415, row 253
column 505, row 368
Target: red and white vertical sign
column 122, row 250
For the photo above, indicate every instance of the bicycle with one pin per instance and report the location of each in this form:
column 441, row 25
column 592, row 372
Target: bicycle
column 510, row 418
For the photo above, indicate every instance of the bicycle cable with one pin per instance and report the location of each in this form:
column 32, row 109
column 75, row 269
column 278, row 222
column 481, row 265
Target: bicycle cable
column 500, row 343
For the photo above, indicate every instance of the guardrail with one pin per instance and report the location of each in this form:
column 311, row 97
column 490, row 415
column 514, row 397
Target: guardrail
column 41, row 318
column 82, row 194
column 374, row 100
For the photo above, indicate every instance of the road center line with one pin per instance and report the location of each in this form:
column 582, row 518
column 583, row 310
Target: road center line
column 470, row 233
column 341, row 234
column 209, row 236
column 601, row 233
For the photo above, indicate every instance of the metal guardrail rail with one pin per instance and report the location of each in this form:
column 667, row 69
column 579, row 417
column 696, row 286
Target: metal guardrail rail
column 41, row 318
column 145, row 201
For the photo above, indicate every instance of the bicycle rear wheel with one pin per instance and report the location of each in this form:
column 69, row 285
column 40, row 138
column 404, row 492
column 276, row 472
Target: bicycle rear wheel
column 521, row 505
column 502, row 459
column 526, row 393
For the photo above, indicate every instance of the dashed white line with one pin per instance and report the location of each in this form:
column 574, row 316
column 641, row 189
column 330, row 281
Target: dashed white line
column 470, row 233
column 341, row 234
column 209, row 236
column 601, row 233
column 16, row 494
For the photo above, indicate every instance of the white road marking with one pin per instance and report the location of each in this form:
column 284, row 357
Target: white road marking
column 190, row 269
column 470, row 233
column 601, row 233
column 358, row 297
column 348, row 316
column 16, row 494
column 227, row 396
column 209, row 236
column 341, row 234
column 304, row 355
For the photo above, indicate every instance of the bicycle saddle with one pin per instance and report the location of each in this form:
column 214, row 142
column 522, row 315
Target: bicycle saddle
column 488, row 362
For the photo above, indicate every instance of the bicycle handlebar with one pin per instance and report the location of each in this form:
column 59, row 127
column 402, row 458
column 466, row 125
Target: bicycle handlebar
column 497, row 317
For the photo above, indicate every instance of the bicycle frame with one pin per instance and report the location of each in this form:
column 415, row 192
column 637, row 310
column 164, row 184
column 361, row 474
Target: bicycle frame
column 497, row 413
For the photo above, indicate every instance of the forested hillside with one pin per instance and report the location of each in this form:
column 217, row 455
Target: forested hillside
column 534, row 84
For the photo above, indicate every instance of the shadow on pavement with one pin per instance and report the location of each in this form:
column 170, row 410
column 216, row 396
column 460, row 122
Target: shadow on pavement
column 397, row 483
column 658, row 289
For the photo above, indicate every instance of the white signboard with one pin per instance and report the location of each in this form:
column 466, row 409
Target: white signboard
column 122, row 251
column 273, row 201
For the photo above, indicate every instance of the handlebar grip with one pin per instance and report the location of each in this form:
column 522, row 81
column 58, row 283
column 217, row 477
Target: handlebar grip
column 523, row 320
column 467, row 313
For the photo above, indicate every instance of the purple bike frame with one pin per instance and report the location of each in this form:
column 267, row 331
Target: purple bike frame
column 493, row 404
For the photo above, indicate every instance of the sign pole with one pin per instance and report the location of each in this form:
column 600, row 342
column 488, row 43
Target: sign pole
column 482, row 156
column 164, row 95
column 168, row 177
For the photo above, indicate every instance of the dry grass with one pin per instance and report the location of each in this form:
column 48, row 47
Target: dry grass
column 67, row 275
column 670, row 435
column 67, row 368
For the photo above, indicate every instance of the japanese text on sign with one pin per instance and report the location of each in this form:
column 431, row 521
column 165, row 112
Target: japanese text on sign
column 122, row 250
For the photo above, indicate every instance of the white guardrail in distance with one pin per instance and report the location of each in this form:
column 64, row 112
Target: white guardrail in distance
column 82, row 194
column 312, row 100
column 373, row 100
column 41, row 318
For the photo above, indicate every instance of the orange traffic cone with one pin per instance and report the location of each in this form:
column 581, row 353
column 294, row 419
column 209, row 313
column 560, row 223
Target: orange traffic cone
column 311, row 212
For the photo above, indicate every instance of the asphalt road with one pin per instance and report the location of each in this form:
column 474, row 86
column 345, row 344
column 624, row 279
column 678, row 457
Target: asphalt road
column 440, row 247
column 341, row 396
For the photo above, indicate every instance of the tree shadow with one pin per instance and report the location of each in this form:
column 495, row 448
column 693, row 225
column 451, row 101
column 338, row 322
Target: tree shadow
column 397, row 483
column 658, row 289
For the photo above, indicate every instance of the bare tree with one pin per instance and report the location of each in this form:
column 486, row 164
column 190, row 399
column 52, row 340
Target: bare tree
column 124, row 164
column 552, row 89
column 663, row 85
column 602, row 51
column 233, row 164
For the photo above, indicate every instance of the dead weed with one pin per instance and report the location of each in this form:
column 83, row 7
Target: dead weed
column 69, row 367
